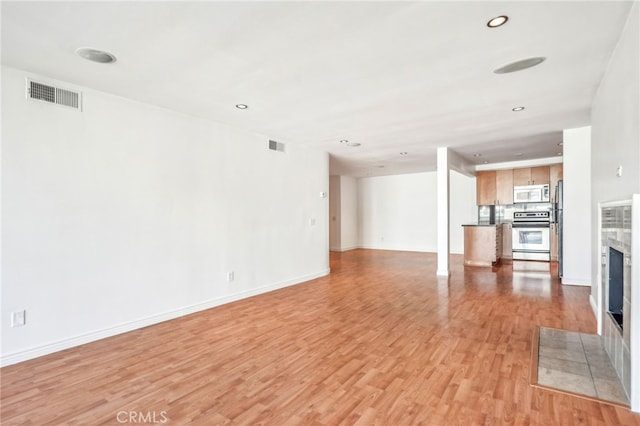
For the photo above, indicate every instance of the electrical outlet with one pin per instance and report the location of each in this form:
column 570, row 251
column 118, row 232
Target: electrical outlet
column 230, row 276
column 18, row 318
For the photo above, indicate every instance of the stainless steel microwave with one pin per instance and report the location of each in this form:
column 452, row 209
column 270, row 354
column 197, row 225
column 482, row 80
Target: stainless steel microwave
column 531, row 194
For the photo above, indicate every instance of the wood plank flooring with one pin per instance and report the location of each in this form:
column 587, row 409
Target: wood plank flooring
column 381, row 340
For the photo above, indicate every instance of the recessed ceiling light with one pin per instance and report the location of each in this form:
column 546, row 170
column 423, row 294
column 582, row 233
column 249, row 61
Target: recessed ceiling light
column 344, row 141
column 404, row 153
column 353, row 144
column 485, row 162
column 520, row 65
column 497, row 21
column 477, row 155
column 558, row 153
column 242, row 106
column 516, row 109
column 95, row 55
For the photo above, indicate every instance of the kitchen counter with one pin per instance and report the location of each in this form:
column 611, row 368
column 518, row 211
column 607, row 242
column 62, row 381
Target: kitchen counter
column 482, row 244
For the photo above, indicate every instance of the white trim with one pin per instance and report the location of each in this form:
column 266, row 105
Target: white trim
column 594, row 308
column 634, row 320
column 599, row 290
column 417, row 250
column 576, row 281
column 82, row 339
column 347, row 248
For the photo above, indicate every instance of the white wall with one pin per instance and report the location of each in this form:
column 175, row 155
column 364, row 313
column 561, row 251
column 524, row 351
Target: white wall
column 126, row 214
column 348, row 213
column 577, row 241
column 615, row 120
column 463, row 209
column 399, row 212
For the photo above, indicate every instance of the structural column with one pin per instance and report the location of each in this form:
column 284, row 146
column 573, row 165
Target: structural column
column 443, row 211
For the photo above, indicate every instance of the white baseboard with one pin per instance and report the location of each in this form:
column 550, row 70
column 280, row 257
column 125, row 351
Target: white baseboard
column 38, row 351
column 391, row 248
column 342, row 249
column 576, row 281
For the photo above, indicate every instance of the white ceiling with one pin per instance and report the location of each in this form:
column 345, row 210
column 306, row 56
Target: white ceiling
column 393, row 76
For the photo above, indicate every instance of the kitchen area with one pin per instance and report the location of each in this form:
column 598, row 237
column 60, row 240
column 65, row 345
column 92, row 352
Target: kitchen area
column 520, row 217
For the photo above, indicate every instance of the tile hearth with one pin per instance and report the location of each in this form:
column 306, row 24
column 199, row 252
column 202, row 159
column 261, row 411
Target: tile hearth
column 577, row 363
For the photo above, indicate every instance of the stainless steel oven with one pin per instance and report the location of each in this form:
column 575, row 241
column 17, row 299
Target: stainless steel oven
column 530, row 235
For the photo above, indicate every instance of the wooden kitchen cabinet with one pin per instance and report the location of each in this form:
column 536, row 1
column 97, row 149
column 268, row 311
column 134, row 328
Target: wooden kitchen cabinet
column 486, row 188
column 494, row 187
column 504, row 187
column 482, row 245
column 531, row 176
column 540, row 175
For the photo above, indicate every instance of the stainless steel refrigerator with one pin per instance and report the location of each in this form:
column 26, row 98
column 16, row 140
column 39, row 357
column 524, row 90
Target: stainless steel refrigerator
column 559, row 223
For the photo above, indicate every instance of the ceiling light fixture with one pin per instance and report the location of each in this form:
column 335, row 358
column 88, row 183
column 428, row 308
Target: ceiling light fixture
column 344, row 141
column 497, row 21
column 485, row 162
column 242, row 106
column 404, row 153
column 558, row 153
column 520, row 65
column 95, row 55
column 353, row 144
column 477, row 155
column 516, row 109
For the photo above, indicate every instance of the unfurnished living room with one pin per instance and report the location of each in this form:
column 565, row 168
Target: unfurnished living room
column 320, row 213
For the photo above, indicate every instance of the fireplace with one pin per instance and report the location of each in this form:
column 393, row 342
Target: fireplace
column 616, row 286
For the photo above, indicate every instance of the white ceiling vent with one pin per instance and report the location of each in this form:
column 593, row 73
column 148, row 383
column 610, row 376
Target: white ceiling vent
column 54, row 95
column 276, row 146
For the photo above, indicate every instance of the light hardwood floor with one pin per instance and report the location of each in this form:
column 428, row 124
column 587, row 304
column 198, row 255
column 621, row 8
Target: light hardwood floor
column 379, row 341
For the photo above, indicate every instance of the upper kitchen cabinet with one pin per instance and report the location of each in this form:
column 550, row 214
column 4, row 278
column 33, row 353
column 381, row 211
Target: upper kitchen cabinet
column 494, row 187
column 504, row 186
column 486, row 188
column 531, row 176
column 555, row 174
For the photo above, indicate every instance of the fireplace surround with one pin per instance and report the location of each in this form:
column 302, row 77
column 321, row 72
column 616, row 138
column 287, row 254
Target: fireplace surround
column 618, row 240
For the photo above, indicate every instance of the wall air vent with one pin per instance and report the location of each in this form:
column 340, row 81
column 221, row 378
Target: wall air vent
column 276, row 146
column 54, row 95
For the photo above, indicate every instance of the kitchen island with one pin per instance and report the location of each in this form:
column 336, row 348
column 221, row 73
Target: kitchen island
column 482, row 244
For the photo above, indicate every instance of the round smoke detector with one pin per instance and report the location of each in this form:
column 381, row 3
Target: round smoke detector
column 95, row 55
